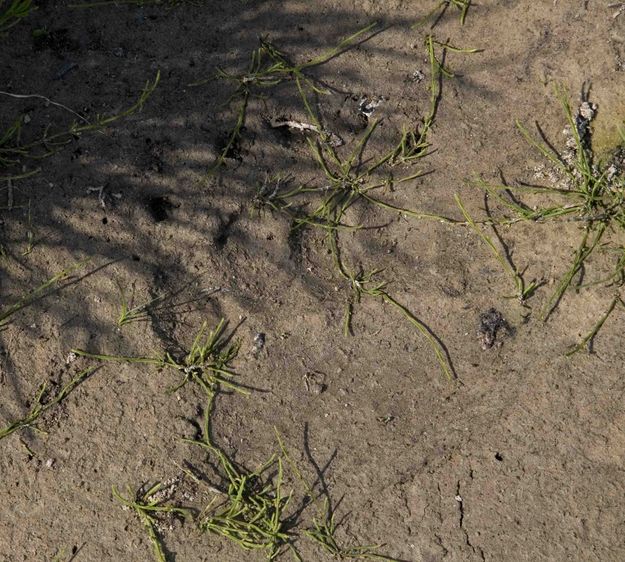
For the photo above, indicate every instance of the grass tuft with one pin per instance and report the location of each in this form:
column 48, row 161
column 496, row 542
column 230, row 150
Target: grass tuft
column 583, row 190
column 251, row 509
column 205, row 363
column 147, row 505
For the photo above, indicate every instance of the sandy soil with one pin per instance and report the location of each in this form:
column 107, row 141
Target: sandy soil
column 519, row 458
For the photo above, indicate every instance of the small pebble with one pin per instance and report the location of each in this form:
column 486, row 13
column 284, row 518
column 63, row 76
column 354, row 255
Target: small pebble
column 259, row 343
column 417, row 76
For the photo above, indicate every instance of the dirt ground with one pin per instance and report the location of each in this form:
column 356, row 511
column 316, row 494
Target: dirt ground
column 520, row 457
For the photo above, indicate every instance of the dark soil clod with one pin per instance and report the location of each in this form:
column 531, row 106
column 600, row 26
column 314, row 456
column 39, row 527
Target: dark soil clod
column 491, row 322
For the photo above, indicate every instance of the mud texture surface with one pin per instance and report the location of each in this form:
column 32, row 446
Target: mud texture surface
column 520, row 457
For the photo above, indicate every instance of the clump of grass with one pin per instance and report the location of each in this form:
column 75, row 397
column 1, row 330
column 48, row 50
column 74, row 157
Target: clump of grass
column 584, row 190
column 13, row 13
column 42, row 403
column 269, row 67
column 205, row 363
column 147, row 505
column 14, row 154
column 352, row 178
column 587, row 191
column 250, row 511
column 350, row 182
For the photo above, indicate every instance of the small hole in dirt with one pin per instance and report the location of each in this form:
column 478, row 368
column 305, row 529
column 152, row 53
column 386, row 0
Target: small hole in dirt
column 159, row 208
column 135, row 257
column 105, row 220
column 498, row 457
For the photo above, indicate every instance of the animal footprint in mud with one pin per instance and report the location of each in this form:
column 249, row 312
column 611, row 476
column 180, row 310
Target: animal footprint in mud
column 491, row 322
